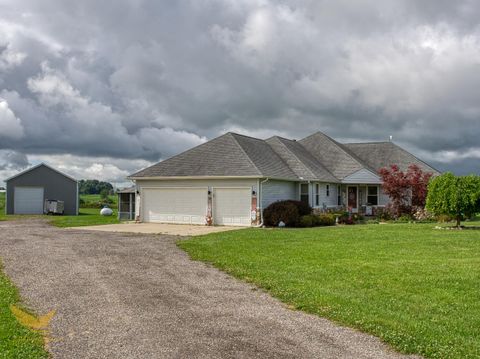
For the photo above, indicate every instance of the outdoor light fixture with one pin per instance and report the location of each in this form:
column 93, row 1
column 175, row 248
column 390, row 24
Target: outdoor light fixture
column 254, row 193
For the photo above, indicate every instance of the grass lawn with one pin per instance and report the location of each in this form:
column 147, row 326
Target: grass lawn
column 16, row 341
column 415, row 287
column 86, row 217
column 98, row 198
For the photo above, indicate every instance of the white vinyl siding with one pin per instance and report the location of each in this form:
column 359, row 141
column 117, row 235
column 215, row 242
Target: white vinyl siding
column 273, row 191
column 174, row 205
column 28, row 200
column 231, row 206
column 324, row 200
column 362, row 176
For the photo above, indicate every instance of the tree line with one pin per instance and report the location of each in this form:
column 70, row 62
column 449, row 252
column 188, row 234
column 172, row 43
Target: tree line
column 94, row 187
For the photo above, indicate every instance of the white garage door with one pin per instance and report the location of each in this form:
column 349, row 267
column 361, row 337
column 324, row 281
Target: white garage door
column 174, row 205
column 231, row 206
column 28, row 200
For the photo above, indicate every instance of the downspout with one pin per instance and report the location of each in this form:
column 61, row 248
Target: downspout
column 260, row 202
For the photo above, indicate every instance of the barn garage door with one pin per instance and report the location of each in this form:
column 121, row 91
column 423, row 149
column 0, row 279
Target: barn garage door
column 174, row 205
column 28, row 200
column 231, row 206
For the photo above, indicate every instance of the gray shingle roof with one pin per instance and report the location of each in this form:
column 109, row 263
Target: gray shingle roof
column 340, row 161
column 303, row 163
column 316, row 157
column 228, row 155
column 383, row 154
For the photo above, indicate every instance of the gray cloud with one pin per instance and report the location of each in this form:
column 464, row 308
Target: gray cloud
column 143, row 80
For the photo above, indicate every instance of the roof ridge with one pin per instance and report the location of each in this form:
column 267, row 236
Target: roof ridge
column 243, row 150
column 294, row 155
column 39, row 165
column 343, row 149
column 368, row 143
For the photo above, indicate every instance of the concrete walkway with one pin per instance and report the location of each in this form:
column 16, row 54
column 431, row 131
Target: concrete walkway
column 160, row 228
column 121, row 295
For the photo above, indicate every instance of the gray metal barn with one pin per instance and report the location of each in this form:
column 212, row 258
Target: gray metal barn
column 27, row 191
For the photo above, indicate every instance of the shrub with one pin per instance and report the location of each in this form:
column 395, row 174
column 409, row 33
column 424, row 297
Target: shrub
column 304, row 209
column 284, row 211
column 421, row 214
column 308, row 220
column 326, row 219
column 382, row 214
column 405, row 218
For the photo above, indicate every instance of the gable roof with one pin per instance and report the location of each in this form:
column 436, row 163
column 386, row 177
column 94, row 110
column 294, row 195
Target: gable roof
column 230, row 155
column 317, row 157
column 302, row 162
column 338, row 159
column 37, row 166
column 383, row 154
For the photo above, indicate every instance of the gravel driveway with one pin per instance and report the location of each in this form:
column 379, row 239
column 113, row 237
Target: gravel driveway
column 139, row 296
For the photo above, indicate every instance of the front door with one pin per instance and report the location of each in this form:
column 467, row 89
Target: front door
column 352, row 198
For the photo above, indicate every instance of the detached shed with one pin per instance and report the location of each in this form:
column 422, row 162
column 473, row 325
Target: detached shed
column 27, row 191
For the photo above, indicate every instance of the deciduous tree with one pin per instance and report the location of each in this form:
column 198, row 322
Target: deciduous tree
column 405, row 189
column 454, row 196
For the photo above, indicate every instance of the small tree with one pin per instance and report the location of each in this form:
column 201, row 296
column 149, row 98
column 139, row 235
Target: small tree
column 454, row 196
column 405, row 189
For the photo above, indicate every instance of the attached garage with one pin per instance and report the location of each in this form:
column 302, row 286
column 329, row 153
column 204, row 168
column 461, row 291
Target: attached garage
column 175, row 205
column 27, row 191
column 231, row 206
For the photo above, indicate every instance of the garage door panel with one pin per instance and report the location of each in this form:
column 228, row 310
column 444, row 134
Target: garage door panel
column 28, row 200
column 231, row 206
column 175, row 205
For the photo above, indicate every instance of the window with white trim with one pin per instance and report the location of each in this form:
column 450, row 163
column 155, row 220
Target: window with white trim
column 339, row 196
column 372, row 195
column 317, row 194
column 328, row 190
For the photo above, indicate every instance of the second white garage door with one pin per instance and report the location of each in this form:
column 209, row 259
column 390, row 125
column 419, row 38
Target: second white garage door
column 231, row 206
column 174, row 205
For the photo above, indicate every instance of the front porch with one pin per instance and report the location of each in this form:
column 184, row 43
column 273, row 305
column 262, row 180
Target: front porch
column 358, row 198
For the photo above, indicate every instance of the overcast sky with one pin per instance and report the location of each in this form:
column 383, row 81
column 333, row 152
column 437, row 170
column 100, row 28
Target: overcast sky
column 101, row 89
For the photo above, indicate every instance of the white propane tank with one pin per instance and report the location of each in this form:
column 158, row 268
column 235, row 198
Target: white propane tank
column 105, row 211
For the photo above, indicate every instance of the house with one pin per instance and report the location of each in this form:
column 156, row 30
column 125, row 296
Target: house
column 27, row 191
column 232, row 178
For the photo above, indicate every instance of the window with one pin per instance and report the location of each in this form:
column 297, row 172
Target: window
column 339, row 196
column 304, row 193
column 328, row 190
column 372, row 195
column 317, row 194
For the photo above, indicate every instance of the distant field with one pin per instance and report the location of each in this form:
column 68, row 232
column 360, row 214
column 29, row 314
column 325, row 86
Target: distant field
column 90, row 200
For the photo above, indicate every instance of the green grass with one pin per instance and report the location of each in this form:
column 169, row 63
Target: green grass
column 415, row 287
column 86, row 217
column 98, row 198
column 16, row 341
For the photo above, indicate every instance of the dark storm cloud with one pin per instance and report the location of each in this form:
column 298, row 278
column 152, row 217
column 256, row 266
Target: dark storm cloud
column 147, row 79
